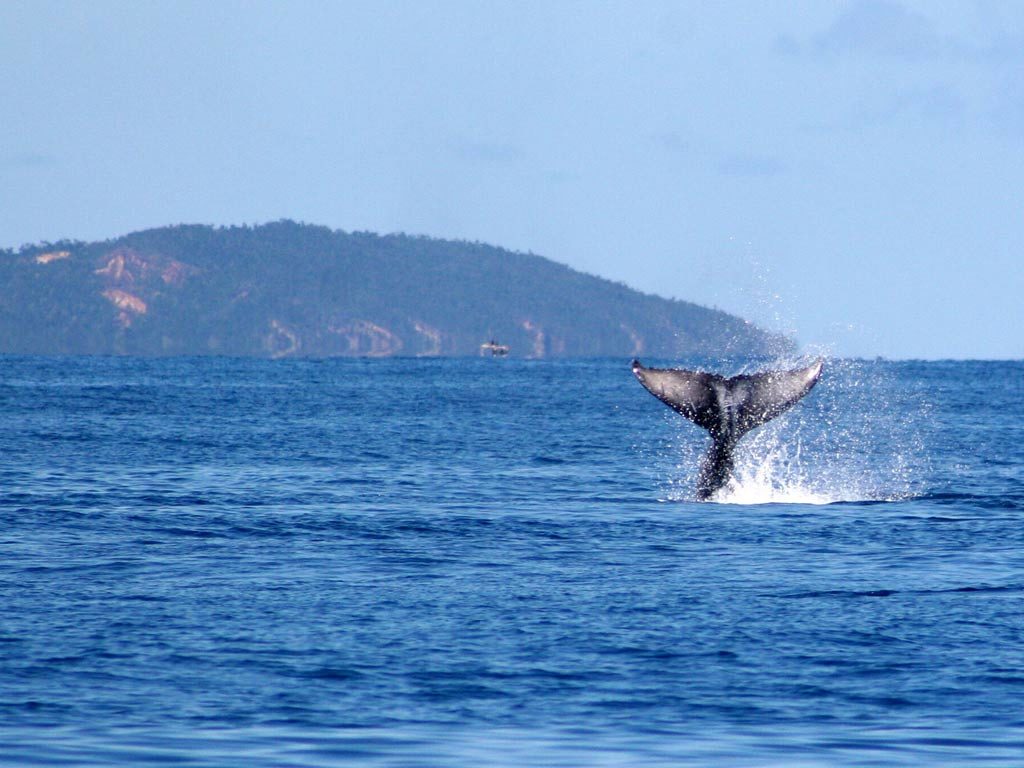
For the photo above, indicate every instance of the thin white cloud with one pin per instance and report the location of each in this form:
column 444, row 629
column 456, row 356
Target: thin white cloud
column 938, row 104
column 882, row 27
column 889, row 29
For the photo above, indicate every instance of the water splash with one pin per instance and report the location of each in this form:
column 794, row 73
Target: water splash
column 776, row 474
column 856, row 437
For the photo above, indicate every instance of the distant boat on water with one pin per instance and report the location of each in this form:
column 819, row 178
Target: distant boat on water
column 494, row 349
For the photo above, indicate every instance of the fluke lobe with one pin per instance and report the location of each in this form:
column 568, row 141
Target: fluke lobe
column 727, row 408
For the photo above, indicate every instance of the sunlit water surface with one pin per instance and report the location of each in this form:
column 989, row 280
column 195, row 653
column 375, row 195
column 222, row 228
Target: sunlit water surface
column 499, row 563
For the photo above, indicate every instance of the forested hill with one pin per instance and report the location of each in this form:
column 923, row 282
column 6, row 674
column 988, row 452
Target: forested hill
column 288, row 289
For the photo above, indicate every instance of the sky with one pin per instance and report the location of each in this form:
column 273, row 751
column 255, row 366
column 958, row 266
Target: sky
column 851, row 173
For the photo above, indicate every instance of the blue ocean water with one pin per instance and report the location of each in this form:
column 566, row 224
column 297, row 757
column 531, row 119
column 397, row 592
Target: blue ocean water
column 478, row 562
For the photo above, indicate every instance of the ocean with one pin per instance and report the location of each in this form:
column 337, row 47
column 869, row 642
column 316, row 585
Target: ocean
column 483, row 562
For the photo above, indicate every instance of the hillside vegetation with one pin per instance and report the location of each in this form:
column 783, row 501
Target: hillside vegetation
column 289, row 289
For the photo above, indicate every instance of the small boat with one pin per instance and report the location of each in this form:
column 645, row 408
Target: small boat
column 494, row 348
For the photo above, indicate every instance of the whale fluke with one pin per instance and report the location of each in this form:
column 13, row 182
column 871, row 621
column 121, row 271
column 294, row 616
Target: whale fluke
column 727, row 408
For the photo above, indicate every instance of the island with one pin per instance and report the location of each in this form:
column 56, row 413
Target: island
column 288, row 289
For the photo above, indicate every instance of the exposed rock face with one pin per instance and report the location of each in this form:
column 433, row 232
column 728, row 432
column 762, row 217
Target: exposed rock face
column 46, row 258
column 127, row 267
column 127, row 303
column 287, row 290
column 367, row 339
column 537, row 338
column 282, row 341
column 128, row 275
column 432, row 338
column 635, row 339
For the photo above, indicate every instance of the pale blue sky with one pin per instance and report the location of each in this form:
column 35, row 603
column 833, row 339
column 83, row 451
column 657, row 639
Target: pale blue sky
column 851, row 172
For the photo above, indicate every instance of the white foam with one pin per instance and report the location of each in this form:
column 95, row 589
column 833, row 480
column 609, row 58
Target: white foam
column 855, row 439
column 775, row 472
column 756, row 493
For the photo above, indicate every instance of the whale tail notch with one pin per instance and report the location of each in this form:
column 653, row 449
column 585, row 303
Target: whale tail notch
column 727, row 408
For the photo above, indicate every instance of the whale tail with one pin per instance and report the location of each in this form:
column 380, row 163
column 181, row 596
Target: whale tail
column 727, row 408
